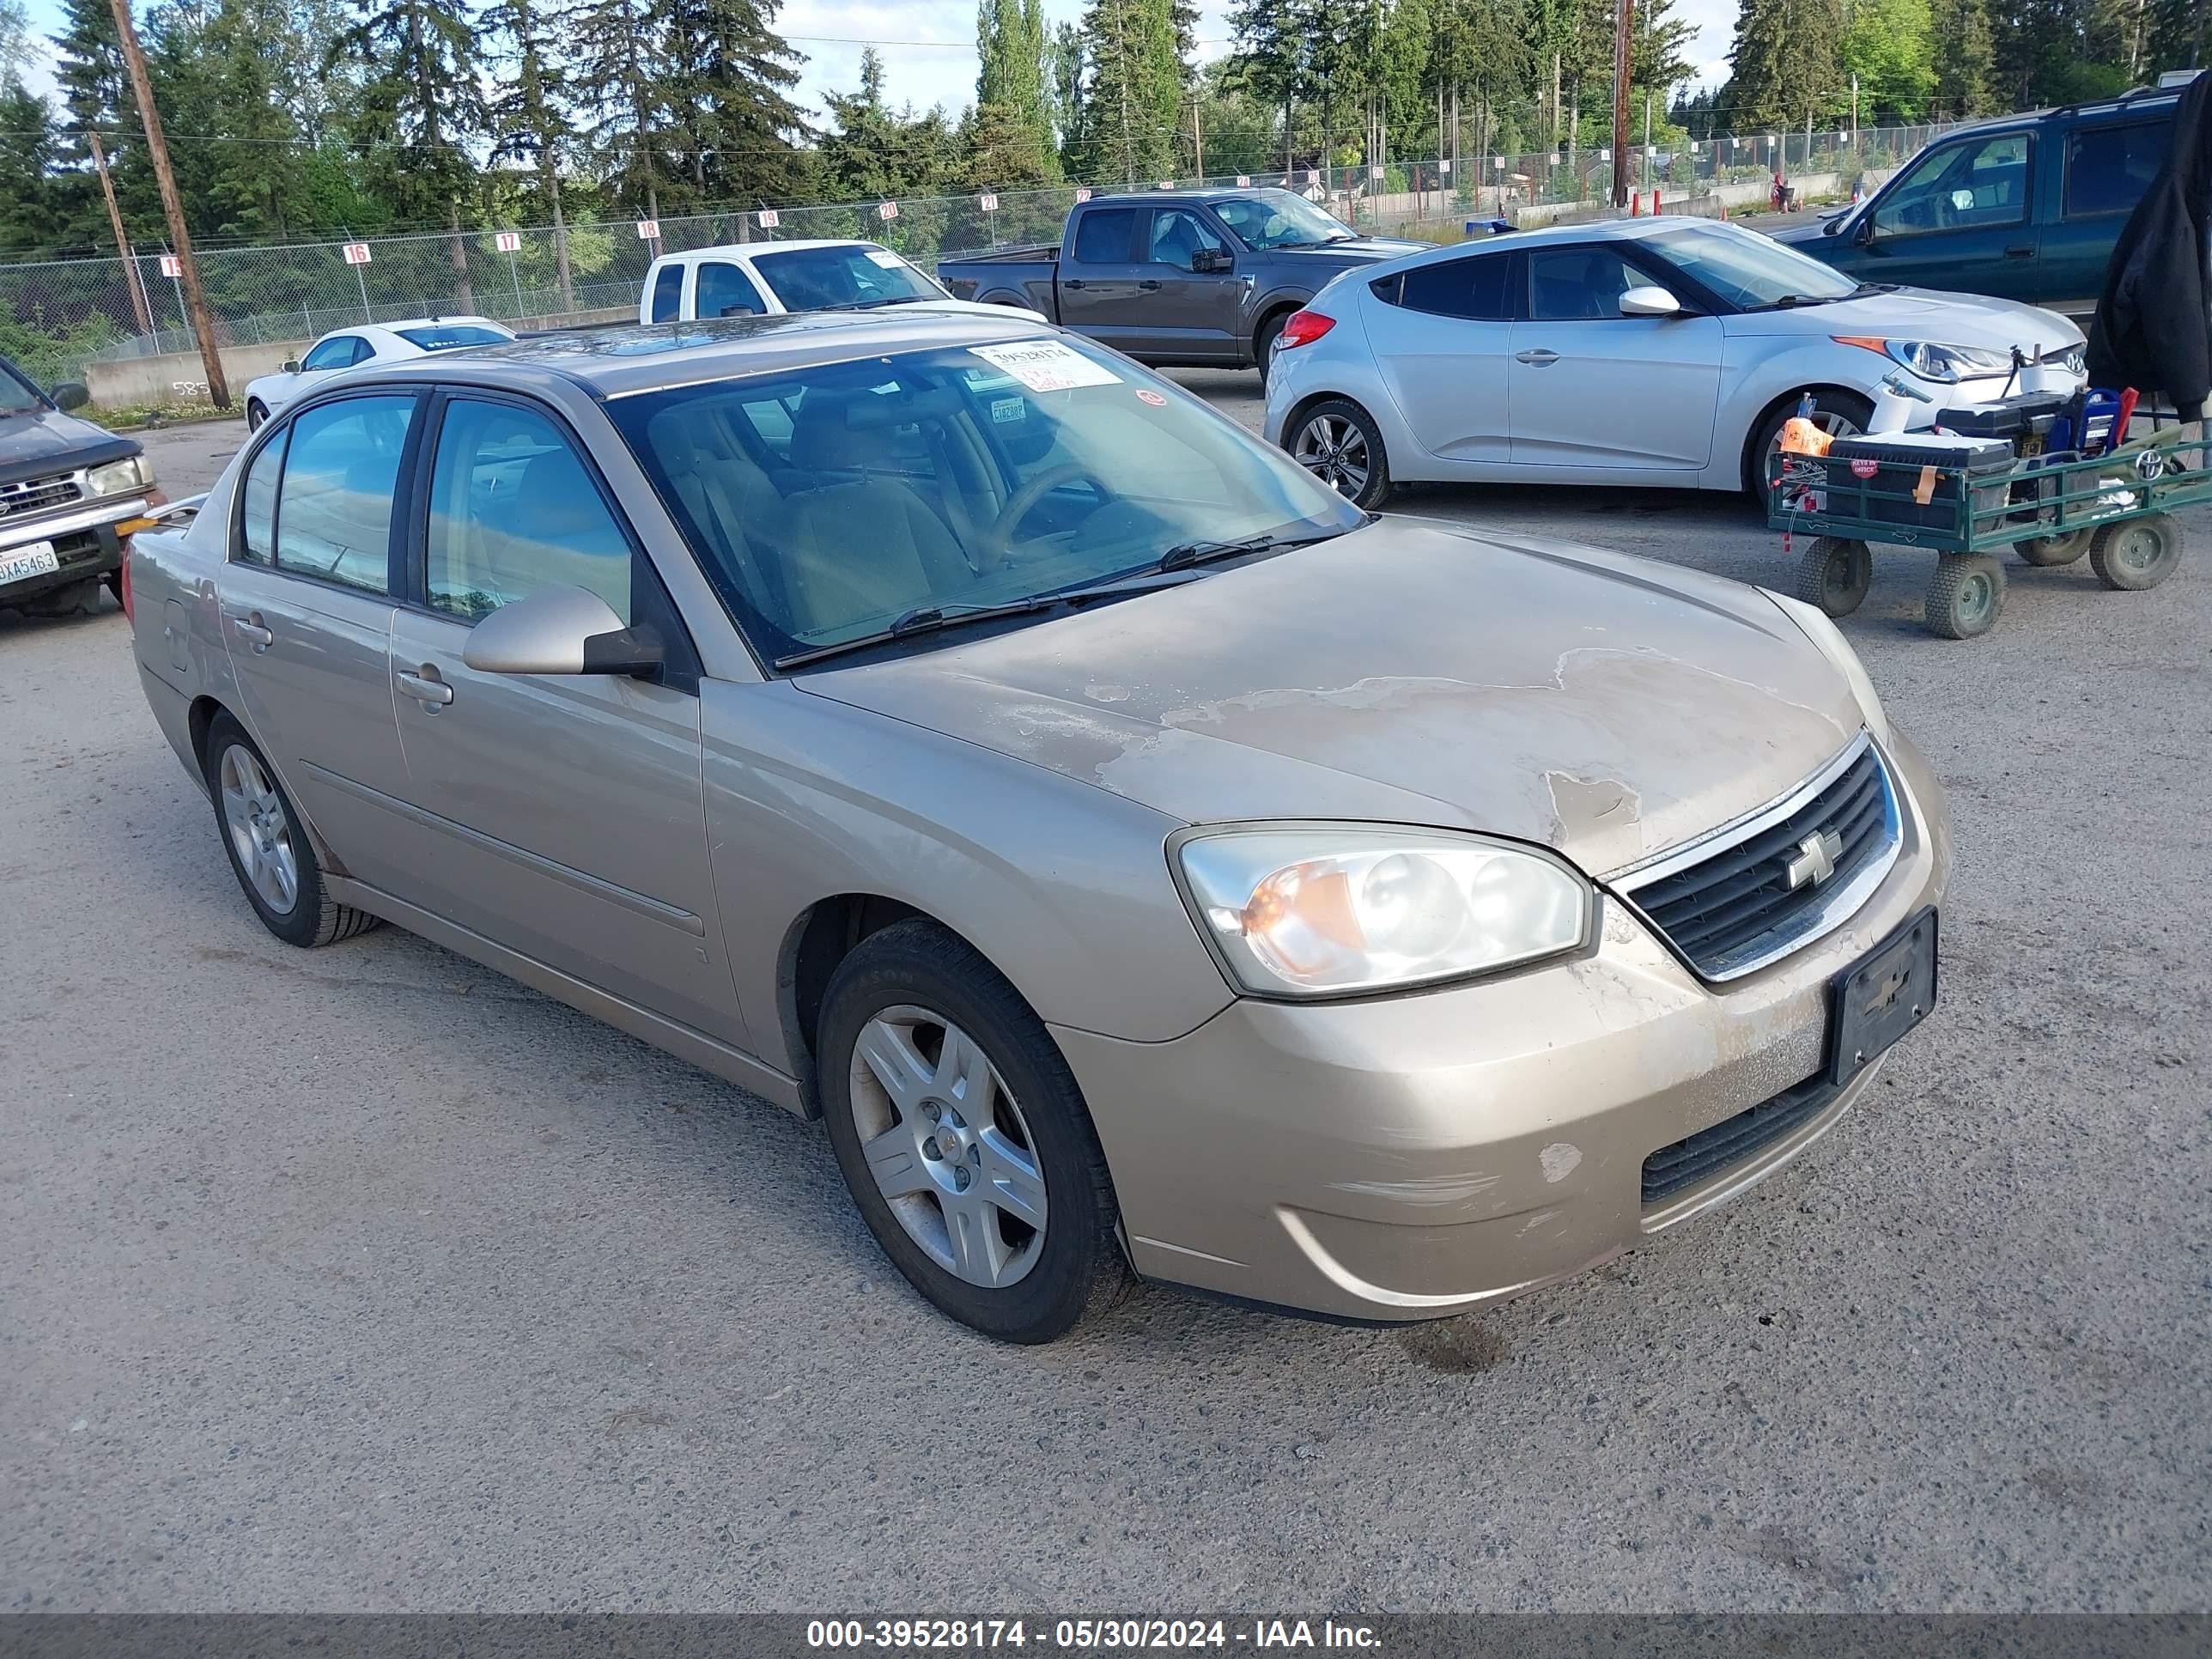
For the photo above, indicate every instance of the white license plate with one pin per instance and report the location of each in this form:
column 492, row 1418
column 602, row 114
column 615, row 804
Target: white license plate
column 36, row 560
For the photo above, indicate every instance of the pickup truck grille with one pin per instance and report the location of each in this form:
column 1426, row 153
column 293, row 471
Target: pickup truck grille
column 20, row 500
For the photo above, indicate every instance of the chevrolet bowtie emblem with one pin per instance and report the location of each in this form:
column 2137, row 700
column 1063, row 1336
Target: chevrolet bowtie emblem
column 1816, row 859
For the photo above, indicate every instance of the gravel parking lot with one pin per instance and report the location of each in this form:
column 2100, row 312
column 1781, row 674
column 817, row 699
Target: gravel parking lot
column 367, row 1279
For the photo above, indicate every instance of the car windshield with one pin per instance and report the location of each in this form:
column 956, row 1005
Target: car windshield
column 450, row 336
column 1277, row 218
column 17, row 395
column 829, row 503
column 855, row 274
column 1748, row 270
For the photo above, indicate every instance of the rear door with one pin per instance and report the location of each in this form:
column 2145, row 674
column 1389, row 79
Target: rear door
column 2105, row 168
column 306, row 616
column 1442, row 336
column 565, row 809
column 1183, row 313
column 1958, row 217
column 1098, row 274
column 1591, row 387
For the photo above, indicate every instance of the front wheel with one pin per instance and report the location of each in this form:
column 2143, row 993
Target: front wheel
column 1834, row 575
column 1263, row 344
column 2134, row 553
column 963, row 1138
column 1838, row 414
column 255, row 413
column 1337, row 442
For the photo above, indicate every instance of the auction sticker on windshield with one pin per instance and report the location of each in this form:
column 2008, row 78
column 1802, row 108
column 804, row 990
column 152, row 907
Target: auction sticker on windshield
column 1045, row 365
column 888, row 261
column 36, row 560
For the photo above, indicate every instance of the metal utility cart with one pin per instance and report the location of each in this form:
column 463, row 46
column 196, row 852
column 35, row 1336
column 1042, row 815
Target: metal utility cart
column 2117, row 508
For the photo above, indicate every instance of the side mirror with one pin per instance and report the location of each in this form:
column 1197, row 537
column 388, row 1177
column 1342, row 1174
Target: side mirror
column 564, row 630
column 289, row 365
column 1650, row 301
column 1863, row 232
column 1210, row 261
column 71, row 394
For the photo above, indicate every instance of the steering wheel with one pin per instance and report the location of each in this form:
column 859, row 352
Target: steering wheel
column 991, row 543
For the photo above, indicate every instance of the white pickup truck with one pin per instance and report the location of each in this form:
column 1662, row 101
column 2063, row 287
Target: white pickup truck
column 766, row 279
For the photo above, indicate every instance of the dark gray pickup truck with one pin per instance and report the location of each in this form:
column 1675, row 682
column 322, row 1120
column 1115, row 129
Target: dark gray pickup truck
column 1195, row 278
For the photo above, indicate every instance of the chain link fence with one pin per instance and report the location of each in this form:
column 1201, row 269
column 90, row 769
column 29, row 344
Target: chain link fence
column 57, row 315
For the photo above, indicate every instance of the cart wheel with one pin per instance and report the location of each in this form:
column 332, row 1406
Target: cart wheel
column 1835, row 573
column 2134, row 554
column 2049, row 550
column 1966, row 596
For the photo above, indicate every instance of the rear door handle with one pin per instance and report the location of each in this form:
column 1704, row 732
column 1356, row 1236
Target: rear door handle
column 1540, row 358
column 2026, row 253
column 1148, row 285
column 425, row 687
column 249, row 630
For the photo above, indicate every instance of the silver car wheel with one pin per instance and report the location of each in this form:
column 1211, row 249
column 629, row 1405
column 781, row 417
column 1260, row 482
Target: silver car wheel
column 1335, row 451
column 260, row 831
column 948, row 1147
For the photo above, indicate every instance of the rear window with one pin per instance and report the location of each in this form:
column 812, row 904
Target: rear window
column 451, row 336
column 2109, row 168
column 1474, row 288
column 1103, row 236
column 667, row 294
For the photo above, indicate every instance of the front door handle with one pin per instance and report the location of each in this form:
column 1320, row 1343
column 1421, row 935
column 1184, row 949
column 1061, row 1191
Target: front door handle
column 2025, row 253
column 251, row 630
column 1073, row 282
column 426, row 687
column 1148, row 285
column 1540, row 358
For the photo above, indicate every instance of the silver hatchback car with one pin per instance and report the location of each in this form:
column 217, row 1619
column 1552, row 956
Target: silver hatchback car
column 1138, row 855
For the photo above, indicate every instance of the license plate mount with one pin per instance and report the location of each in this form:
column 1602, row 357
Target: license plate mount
column 1881, row 996
column 31, row 559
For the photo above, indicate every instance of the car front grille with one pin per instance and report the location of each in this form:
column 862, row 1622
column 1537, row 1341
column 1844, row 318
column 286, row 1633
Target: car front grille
column 20, row 500
column 1761, row 888
column 1689, row 1161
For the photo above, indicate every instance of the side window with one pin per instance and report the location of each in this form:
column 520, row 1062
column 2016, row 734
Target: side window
column 1103, row 236
column 335, row 352
column 334, row 508
column 725, row 291
column 2109, row 168
column 668, row 294
column 1566, row 284
column 1972, row 183
column 1472, row 288
column 1177, row 236
column 257, row 538
column 512, row 512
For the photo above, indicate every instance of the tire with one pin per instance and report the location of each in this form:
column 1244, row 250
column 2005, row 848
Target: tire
column 1841, row 414
column 1263, row 341
column 2048, row 552
column 1834, row 575
column 1966, row 595
column 255, row 413
column 241, row 783
column 909, row 990
column 1336, row 441
column 2136, row 554
column 67, row 600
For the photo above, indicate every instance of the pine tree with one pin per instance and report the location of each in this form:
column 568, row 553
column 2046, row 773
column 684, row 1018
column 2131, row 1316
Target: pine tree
column 1785, row 64
column 1889, row 48
column 528, row 116
column 619, row 70
column 1064, row 78
column 1012, row 52
column 732, row 77
column 1965, row 57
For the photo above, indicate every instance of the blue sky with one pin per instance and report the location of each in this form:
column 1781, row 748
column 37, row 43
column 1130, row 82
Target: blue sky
column 934, row 60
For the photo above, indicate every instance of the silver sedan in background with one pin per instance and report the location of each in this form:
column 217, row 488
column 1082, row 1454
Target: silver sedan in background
column 1664, row 351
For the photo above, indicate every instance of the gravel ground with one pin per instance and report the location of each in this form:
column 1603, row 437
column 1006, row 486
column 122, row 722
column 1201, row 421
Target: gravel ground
column 365, row 1279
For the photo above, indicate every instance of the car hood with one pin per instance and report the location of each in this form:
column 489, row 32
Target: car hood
column 44, row 441
column 1919, row 313
column 1359, row 251
column 1603, row 705
column 1810, row 230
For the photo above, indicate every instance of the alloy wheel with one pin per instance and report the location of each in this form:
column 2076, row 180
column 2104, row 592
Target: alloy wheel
column 1335, row 450
column 946, row 1140
column 260, row 831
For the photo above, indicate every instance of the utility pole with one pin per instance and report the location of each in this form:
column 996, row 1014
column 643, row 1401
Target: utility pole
column 173, row 210
column 138, row 306
column 1624, row 23
column 1197, row 142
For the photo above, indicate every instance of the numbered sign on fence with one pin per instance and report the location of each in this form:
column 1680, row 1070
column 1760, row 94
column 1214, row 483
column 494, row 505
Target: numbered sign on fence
column 1444, row 166
column 171, row 265
column 1083, row 192
column 1374, row 172
column 649, row 230
column 887, row 211
column 770, row 218
column 356, row 253
column 1313, row 175
column 1243, row 181
column 508, row 241
column 988, row 201
column 1167, row 184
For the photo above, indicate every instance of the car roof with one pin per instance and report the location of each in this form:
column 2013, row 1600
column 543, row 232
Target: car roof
column 624, row 359
column 1211, row 193
column 727, row 250
column 394, row 325
column 2138, row 98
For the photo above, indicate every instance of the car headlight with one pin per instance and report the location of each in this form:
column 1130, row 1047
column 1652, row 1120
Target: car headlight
column 119, row 477
column 1814, row 624
column 1327, row 909
column 1932, row 360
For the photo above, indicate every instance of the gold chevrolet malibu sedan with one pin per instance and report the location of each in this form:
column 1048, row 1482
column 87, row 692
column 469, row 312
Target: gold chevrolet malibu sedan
column 1139, row 857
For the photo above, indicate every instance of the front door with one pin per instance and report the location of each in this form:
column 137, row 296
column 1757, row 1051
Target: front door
column 1958, row 218
column 306, row 616
column 1097, row 275
column 1443, row 338
column 1187, row 314
column 566, row 808
column 1591, row 387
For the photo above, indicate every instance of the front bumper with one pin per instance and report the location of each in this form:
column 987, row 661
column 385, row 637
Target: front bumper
column 86, row 543
column 1417, row 1156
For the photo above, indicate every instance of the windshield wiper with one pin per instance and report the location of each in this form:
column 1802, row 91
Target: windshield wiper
column 1183, row 554
column 1791, row 301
